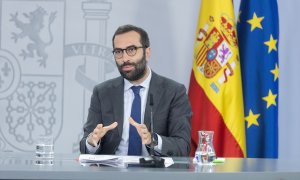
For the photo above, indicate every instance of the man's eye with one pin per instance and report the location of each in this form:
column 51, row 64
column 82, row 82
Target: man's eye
column 131, row 49
column 118, row 51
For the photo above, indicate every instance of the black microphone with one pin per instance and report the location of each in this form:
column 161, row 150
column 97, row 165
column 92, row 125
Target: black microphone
column 155, row 161
column 151, row 103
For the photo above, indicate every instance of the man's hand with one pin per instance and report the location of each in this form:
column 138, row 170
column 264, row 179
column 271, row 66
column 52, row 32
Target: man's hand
column 99, row 132
column 142, row 130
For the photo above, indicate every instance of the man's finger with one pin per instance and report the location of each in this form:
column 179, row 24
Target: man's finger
column 132, row 122
column 99, row 126
column 143, row 127
column 111, row 126
column 94, row 142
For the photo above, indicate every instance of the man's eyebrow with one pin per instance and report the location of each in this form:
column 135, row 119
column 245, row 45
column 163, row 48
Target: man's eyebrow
column 127, row 47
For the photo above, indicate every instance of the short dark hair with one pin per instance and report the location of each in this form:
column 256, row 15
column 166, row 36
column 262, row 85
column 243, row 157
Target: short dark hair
column 144, row 39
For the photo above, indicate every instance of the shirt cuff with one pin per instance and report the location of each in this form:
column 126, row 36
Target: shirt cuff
column 159, row 145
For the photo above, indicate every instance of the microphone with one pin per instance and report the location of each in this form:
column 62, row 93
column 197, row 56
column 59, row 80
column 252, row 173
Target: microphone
column 155, row 161
column 151, row 103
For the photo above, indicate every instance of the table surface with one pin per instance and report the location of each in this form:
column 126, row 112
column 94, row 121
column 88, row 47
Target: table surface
column 15, row 165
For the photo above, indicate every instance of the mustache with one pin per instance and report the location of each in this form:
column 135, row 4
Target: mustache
column 128, row 63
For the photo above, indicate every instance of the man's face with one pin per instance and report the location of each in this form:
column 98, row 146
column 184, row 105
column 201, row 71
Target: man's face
column 134, row 67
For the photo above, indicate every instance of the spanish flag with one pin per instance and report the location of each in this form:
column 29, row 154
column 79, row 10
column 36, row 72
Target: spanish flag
column 215, row 88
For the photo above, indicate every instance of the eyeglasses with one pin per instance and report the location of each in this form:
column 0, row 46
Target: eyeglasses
column 130, row 51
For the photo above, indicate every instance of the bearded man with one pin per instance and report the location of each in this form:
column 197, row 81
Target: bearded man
column 120, row 111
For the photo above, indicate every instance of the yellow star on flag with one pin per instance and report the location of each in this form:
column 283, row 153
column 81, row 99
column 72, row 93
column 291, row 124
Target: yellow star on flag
column 275, row 72
column 271, row 44
column 255, row 22
column 252, row 119
column 270, row 99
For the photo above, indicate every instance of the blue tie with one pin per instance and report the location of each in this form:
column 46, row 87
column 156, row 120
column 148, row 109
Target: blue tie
column 135, row 143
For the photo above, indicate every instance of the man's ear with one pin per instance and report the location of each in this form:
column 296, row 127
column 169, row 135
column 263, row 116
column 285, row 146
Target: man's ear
column 148, row 53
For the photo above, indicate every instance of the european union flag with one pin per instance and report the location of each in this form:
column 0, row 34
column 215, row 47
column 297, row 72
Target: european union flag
column 258, row 35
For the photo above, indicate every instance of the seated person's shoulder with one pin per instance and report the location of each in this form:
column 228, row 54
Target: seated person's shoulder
column 171, row 84
column 111, row 83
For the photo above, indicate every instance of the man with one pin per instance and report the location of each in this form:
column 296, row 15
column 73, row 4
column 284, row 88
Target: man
column 120, row 110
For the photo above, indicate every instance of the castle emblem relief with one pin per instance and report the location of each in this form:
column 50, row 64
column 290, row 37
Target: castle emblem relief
column 31, row 72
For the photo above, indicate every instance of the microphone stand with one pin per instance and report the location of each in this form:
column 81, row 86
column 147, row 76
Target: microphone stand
column 154, row 161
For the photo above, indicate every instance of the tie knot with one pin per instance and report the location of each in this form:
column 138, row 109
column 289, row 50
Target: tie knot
column 136, row 89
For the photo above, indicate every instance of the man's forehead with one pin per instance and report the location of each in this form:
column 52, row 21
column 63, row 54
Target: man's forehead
column 127, row 39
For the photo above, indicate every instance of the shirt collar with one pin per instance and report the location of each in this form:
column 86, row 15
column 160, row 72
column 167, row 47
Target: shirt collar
column 144, row 84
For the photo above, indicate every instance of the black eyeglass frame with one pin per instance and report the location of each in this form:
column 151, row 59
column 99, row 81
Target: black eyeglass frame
column 127, row 50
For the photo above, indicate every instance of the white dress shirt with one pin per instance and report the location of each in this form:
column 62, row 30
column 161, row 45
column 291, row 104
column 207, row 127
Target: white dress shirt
column 128, row 99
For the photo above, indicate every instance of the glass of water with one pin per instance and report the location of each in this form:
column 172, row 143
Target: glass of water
column 44, row 151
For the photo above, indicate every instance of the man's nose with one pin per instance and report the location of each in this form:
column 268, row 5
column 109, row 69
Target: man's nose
column 125, row 57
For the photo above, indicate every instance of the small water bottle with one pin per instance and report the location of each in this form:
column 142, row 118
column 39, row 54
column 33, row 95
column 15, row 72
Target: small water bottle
column 205, row 152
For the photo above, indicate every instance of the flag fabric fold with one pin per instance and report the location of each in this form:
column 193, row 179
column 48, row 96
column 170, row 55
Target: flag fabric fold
column 215, row 90
column 258, row 34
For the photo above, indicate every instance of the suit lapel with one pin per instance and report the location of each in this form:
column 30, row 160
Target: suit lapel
column 156, row 90
column 117, row 94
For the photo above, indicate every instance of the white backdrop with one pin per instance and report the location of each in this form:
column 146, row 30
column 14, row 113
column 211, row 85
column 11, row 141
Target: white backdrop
column 50, row 92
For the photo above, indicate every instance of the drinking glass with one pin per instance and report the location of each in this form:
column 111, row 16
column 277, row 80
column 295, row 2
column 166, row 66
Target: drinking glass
column 205, row 152
column 44, row 151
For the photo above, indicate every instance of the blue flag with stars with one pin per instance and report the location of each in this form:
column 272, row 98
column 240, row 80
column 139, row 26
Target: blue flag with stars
column 258, row 35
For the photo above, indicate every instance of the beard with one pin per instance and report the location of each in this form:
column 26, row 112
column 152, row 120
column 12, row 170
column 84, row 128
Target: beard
column 138, row 72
